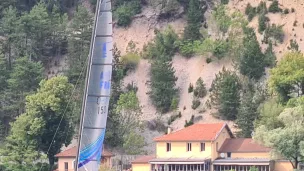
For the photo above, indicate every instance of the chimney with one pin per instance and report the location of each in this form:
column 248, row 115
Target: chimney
column 169, row 130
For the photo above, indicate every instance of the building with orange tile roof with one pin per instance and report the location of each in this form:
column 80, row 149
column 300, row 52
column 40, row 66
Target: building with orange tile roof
column 66, row 159
column 208, row 147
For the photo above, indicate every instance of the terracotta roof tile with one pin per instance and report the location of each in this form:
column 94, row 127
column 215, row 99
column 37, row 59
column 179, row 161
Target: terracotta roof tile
column 143, row 159
column 242, row 145
column 73, row 151
column 196, row 132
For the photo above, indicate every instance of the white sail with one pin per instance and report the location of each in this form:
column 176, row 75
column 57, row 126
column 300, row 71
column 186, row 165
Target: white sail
column 97, row 91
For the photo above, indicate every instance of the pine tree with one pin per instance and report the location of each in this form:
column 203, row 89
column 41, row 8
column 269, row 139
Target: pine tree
column 270, row 57
column 9, row 29
column 194, row 18
column 225, row 94
column 252, row 62
column 246, row 115
column 162, row 84
column 79, row 43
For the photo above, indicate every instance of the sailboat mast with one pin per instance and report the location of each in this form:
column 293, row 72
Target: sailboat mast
column 97, row 91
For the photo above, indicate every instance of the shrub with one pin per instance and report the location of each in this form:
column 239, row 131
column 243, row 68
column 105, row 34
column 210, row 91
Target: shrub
column 262, row 8
column 225, row 2
column 286, row 11
column 179, row 114
column 274, row 7
column 294, row 46
column 174, row 103
column 131, row 87
column 200, row 89
column 130, row 61
column 125, row 11
column 186, row 48
column 270, row 58
column 250, row 12
column 293, row 10
column 163, row 45
column 275, row 32
column 191, row 122
column 172, row 118
column 195, row 103
column 169, row 9
column 295, row 23
column 220, row 48
column 190, row 88
column 262, row 23
column 208, row 60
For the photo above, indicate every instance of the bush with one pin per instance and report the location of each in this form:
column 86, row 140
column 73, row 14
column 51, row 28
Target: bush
column 186, row 48
column 293, row 10
column 200, row 89
column 294, row 46
column 191, row 122
column 208, row 60
column 262, row 8
column 220, row 48
column 164, row 45
column 172, row 118
column 225, row 2
column 179, row 114
column 132, row 87
column 274, row 7
column 286, row 11
column 130, row 61
column 295, row 23
column 190, row 88
column 275, row 32
column 250, row 12
column 125, row 12
column 270, row 58
column 174, row 103
column 195, row 103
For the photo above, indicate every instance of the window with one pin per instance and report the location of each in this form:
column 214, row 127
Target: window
column 188, row 146
column 168, row 147
column 66, row 166
column 202, row 146
column 229, row 154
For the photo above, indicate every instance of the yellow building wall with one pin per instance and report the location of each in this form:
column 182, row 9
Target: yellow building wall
column 250, row 155
column 141, row 167
column 282, row 166
column 69, row 160
column 179, row 149
column 220, row 140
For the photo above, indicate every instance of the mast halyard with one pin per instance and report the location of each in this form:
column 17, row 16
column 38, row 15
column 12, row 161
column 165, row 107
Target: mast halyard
column 97, row 91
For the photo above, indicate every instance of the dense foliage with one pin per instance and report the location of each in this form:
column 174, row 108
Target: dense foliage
column 225, row 94
column 194, row 18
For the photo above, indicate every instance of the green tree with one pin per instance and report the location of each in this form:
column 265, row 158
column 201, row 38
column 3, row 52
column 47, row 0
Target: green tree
column 9, row 29
column 247, row 114
column 222, row 18
column 274, row 7
column 200, row 89
column 251, row 62
column 20, row 149
column 253, row 168
column 194, row 18
column 35, row 28
column 270, row 57
column 225, row 94
column 162, row 84
column 287, row 78
column 288, row 140
column 24, row 79
column 134, row 143
column 262, row 22
column 46, row 111
column 268, row 114
column 163, row 45
column 79, row 43
column 129, row 111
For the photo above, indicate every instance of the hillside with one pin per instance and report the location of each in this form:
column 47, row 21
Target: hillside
column 189, row 70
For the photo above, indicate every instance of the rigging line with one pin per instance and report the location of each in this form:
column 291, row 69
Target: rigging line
column 81, row 73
